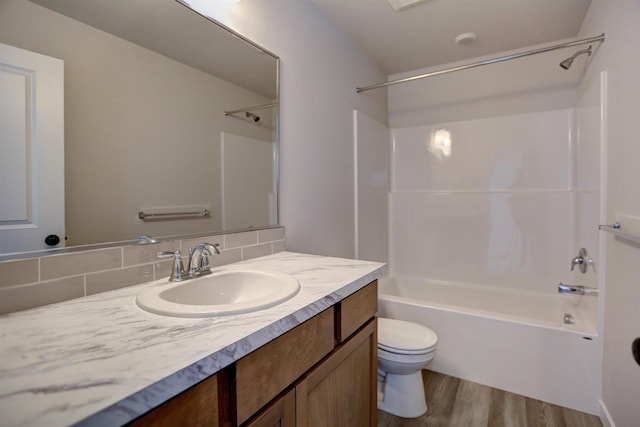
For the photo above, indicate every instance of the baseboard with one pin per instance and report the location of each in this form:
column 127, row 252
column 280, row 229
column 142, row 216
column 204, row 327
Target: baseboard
column 605, row 416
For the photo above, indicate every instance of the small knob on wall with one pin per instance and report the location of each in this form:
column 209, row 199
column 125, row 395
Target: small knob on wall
column 52, row 240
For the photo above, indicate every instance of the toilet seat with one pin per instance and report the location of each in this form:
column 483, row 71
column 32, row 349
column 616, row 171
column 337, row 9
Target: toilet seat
column 405, row 352
column 400, row 337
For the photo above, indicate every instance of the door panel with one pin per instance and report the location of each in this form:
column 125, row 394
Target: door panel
column 31, row 150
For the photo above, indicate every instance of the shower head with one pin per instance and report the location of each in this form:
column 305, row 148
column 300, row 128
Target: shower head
column 566, row 64
column 249, row 115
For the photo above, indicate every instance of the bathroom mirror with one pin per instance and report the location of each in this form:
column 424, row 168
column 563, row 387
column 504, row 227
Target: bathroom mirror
column 170, row 123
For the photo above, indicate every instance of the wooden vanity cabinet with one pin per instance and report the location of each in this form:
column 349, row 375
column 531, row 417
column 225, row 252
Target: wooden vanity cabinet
column 339, row 390
column 321, row 373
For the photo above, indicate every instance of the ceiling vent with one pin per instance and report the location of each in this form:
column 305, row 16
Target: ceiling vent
column 399, row 5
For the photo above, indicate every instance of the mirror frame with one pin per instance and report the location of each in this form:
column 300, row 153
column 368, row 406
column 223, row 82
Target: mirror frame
column 159, row 239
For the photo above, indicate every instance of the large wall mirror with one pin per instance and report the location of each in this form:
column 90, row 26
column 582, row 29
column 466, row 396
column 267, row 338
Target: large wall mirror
column 158, row 122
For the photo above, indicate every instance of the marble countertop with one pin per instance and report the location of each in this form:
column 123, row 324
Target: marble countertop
column 102, row 361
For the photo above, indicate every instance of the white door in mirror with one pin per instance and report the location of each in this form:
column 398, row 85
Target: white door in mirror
column 31, row 150
column 224, row 292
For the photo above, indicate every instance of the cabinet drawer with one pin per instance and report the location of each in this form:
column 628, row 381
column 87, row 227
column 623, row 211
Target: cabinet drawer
column 263, row 374
column 356, row 310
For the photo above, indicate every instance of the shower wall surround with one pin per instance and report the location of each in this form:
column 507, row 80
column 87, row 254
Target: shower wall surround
column 486, row 201
column 34, row 282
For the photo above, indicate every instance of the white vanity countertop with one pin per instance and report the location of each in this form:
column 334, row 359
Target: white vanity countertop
column 102, row 361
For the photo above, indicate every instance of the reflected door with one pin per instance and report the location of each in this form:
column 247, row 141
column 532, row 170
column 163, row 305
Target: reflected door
column 31, row 151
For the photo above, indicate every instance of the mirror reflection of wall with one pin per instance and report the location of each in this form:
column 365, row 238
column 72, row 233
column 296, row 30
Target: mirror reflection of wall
column 142, row 130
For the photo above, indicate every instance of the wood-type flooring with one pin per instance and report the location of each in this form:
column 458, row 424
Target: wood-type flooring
column 453, row 402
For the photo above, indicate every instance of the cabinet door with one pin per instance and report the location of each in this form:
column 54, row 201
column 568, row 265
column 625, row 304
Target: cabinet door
column 341, row 391
column 281, row 413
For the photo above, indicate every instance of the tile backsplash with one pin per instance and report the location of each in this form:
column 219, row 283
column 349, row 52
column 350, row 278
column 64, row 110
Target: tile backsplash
column 34, row 282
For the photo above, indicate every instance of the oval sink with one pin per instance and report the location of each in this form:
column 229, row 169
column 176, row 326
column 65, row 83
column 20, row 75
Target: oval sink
column 223, row 292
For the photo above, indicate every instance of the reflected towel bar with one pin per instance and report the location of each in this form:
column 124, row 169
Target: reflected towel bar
column 616, row 229
column 257, row 107
column 169, row 215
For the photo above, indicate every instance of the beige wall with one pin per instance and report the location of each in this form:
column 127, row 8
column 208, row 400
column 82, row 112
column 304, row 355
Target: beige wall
column 321, row 68
column 619, row 56
column 141, row 129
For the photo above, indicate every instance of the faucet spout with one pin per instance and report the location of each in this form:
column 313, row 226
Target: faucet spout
column 199, row 258
column 565, row 288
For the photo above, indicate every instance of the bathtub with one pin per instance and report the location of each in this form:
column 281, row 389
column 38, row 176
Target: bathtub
column 513, row 341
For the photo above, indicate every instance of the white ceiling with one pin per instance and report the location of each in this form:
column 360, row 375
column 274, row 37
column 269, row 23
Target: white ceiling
column 423, row 35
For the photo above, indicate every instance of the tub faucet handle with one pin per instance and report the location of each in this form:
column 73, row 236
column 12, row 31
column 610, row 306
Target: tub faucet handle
column 582, row 261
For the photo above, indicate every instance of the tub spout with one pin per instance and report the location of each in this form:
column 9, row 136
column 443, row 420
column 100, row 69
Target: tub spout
column 565, row 288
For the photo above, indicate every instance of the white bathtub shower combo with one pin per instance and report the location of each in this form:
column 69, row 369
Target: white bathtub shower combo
column 495, row 184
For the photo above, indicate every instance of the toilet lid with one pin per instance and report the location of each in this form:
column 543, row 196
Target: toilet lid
column 398, row 336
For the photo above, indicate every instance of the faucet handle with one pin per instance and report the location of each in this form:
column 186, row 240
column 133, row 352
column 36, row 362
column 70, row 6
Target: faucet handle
column 207, row 249
column 199, row 258
column 575, row 261
column 582, row 261
column 177, row 269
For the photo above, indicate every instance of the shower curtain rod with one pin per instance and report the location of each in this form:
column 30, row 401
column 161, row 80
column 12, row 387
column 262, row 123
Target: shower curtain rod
column 599, row 38
column 257, row 107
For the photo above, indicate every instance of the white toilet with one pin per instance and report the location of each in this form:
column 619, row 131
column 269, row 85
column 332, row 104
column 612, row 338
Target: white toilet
column 404, row 349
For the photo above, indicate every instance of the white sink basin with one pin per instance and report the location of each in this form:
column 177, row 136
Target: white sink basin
column 225, row 291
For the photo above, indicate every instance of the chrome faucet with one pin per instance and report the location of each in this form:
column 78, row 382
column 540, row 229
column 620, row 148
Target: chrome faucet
column 198, row 261
column 582, row 261
column 565, row 288
column 177, row 269
column 199, row 258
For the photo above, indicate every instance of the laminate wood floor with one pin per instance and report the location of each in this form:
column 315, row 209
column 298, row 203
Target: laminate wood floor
column 453, row 402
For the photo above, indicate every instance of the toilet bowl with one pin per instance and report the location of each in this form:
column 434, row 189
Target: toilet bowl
column 404, row 349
